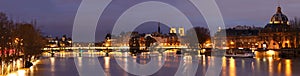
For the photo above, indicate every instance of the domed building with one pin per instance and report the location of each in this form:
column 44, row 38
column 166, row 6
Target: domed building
column 278, row 20
column 278, row 34
column 279, row 17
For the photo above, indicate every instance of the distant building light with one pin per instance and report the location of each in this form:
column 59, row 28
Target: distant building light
column 231, row 42
column 225, row 47
column 173, row 30
column 106, row 44
column 241, row 48
column 271, row 52
column 223, row 43
column 264, row 46
column 70, row 41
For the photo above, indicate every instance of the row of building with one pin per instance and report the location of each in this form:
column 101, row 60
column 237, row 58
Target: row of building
column 137, row 39
column 64, row 41
column 277, row 34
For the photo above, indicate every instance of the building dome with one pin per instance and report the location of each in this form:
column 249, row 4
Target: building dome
column 278, row 20
column 279, row 17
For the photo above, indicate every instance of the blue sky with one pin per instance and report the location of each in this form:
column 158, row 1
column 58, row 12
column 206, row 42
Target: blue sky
column 55, row 17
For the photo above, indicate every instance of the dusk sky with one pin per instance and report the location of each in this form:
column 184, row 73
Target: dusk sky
column 56, row 17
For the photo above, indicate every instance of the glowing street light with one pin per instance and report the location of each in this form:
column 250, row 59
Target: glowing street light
column 107, row 44
column 270, row 53
column 232, row 43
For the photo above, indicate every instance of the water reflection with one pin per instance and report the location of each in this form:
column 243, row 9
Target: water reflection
column 270, row 66
column 224, row 66
column 107, row 64
column 188, row 66
column 279, row 68
column 288, row 68
column 232, row 67
column 259, row 66
column 52, row 61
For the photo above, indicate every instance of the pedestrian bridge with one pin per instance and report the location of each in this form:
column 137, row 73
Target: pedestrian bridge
column 103, row 48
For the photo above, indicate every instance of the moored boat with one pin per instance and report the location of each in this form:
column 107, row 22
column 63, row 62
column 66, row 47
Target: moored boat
column 246, row 55
column 239, row 53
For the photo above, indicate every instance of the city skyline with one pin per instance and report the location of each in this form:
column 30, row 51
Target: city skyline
column 149, row 37
column 56, row 17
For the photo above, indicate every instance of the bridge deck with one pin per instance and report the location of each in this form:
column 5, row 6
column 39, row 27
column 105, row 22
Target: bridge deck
column 100, row 48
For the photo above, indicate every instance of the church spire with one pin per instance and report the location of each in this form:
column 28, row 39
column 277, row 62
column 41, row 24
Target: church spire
column 158, row 28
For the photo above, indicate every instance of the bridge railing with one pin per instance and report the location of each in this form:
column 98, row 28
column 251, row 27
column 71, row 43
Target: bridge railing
column 100, row 48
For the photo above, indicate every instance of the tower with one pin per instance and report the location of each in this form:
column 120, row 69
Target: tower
column 158, row 28
column 173, row 30
column 181, row 31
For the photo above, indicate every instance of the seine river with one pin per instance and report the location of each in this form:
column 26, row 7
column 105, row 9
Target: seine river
column 63, row 64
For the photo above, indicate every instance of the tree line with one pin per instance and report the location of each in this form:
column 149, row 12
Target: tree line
column 295, row 23
column 19, row 40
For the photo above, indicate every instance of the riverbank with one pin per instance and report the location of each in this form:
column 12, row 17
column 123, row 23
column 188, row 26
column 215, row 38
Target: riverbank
column 10, row 66
column 22, row 71
column 13, row 67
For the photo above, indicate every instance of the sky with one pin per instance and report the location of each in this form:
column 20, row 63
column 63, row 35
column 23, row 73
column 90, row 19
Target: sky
column 56, row 17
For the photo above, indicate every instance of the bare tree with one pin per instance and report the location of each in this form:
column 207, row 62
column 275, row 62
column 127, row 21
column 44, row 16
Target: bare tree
column 20, row 37
column 202, row 34
column 295, row 23
column 6, row 35
column 33, row 41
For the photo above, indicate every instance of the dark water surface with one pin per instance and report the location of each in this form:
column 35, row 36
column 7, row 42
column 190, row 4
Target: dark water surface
column 64, row 65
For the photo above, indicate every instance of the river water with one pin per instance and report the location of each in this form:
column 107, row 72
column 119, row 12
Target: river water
column 63, row 64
